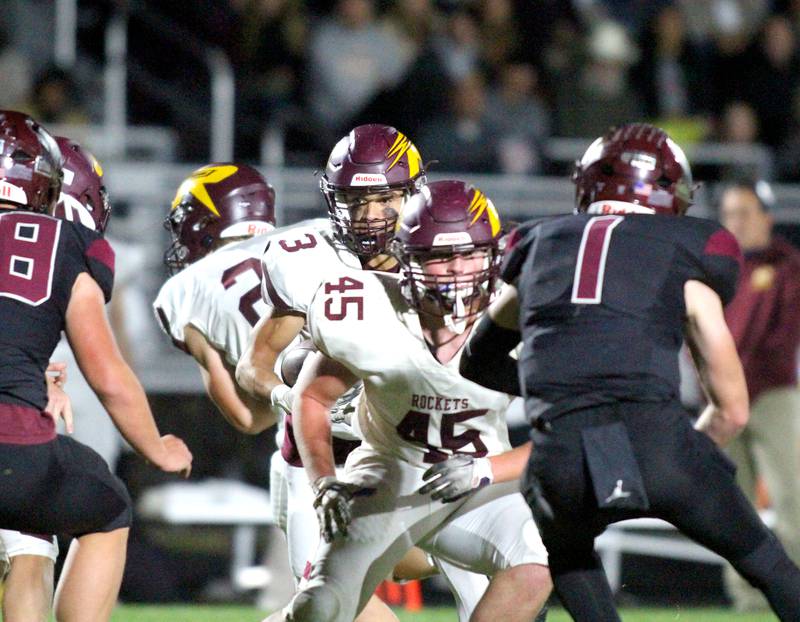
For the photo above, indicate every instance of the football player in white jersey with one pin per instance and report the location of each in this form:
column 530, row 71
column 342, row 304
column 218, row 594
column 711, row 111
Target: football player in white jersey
column 402, row 336
column 218, row 221
column 369, row 175
column 210, row 305
column 213, row 300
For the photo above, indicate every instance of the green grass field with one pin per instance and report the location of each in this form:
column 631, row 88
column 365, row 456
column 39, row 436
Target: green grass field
column 244, row 614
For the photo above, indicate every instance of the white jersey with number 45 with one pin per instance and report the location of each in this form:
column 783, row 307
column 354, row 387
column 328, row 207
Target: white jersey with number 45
column 418, row 409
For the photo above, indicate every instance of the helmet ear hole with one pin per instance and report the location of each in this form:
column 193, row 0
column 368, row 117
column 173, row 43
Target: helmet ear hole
column 607, row 169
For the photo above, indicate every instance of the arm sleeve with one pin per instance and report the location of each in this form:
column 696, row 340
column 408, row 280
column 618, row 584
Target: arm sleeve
column 98, row 257
column 170, row 310
column 486, row 359
column 721, row 261
column 517, row 247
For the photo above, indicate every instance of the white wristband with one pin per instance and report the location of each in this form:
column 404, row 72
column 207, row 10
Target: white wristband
column 281, row 395
column 482, row 472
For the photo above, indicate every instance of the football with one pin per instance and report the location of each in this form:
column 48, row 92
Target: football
column 293, row 361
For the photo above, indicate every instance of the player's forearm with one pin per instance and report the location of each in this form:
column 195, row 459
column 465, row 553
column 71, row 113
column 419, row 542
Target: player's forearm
column 510, row 465
column 257, row 380
column 128, row 408
column 723, row 380
column 723, row 424
column 312, row 428
column 255, row 416
column 486, row 360
column 248, row 416
column 718, row 365
column 255, row 371
column 241, row 410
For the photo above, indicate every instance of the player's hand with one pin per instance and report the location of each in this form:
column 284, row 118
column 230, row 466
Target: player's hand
column 332, row 503
column 176, row 458
column 57, row 370
column 457, row 476
column 59, row 405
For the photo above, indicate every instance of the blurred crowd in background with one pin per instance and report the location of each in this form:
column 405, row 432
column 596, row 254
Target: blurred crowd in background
column 482, row 84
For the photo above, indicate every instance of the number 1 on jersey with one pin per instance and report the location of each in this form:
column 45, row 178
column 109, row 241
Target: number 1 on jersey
column 587, row 287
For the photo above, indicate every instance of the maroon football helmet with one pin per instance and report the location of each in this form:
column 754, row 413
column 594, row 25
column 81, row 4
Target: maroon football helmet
column 633, row 168
column 30, row 163
column 445, row 219
column 83, row 197
column 218, row 201
column 371, row 159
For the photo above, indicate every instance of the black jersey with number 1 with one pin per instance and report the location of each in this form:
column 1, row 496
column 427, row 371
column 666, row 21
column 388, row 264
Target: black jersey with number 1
column 40, row 259
column 602, row 304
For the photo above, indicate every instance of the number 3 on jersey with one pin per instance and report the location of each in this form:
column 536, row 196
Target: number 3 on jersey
column 587, row 287
column 345, row 284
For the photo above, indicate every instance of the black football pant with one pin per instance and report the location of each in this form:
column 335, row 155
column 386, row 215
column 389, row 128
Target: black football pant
column 60, row 487
column 687, row 481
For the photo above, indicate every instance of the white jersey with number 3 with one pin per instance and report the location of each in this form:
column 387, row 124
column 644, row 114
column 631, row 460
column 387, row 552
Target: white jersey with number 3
column 417, row 408
column 297, row 260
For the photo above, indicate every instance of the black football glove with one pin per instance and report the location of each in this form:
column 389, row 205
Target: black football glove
column 332, row 503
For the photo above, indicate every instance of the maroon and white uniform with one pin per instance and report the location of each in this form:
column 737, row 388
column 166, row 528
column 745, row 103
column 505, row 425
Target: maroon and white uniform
column 418, row 411
column 50, row 484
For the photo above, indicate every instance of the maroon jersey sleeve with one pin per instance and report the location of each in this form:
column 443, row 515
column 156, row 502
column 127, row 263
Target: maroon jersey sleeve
column 720, row 260
column 518, row 244
column 98, row 258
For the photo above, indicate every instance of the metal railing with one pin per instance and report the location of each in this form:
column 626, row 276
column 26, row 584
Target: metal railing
column 66, row 33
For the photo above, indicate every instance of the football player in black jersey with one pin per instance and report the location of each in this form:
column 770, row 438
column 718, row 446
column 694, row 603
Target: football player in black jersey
column 57, row 275
column 602, row 301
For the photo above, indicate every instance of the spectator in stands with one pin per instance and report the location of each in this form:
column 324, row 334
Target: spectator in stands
column 500, row 34
column 771, row 76
column 414, row 22
column 739, row 128
column 634, row 15
column 542, row 21
column 521, row 118
column 739, row 124
column 268, row 53
column 731, row 23
column 764, row 319
column 54, row 98
column 459, row 45
column 351, row 59
column 465, row 140
column 599, row 95
column 418, row 96
column 671, row 74
column 788, row 154
column 731, row 26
